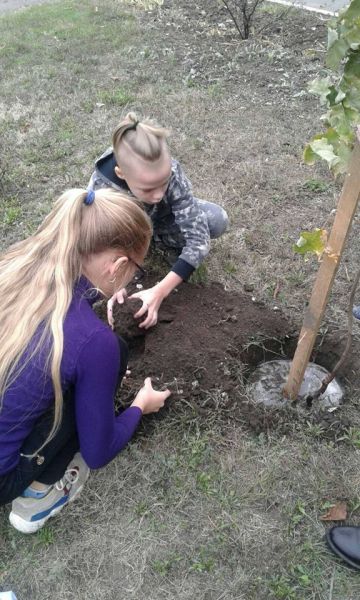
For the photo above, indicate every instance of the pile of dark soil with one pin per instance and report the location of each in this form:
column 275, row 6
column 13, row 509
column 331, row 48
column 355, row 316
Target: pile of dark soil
column 205, row 344
column 202, row 341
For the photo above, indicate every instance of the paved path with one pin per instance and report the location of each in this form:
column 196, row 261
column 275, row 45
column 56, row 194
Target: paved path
column 7, row 5
column 322, row 6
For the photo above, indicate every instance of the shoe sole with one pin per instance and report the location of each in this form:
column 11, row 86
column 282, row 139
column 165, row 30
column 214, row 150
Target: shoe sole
column 338, row 552
column 33, row 526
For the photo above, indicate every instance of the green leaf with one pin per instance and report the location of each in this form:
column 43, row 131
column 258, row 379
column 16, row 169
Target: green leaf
column 352, row 115
column 352, row 12
column 344, row 153
column 352, row 67
column 321, row 87
column 334, row 96
column 352, row 34
column 309, row 156
column 332, row 36
column 339, row 92
column 331, row 97
column 322, row 148
column 351, row 80
column 331, row 135
column 311, row 241
column 340, row 96
column 339, row 121
column 336, row 53
column 352, row 99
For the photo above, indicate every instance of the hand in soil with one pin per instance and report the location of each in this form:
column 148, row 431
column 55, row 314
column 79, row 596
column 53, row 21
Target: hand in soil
column 118, row 297
column 150, row 400
column 151, row 299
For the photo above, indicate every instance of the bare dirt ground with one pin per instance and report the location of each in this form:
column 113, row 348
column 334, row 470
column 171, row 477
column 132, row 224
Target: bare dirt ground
column 213, row 499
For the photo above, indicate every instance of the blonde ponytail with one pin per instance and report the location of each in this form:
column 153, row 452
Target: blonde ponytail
column 37, row 276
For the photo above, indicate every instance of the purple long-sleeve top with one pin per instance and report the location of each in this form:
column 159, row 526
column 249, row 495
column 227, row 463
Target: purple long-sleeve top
column 90, row 366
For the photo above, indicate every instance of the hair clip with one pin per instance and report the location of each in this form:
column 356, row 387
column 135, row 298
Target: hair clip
column 89, row 198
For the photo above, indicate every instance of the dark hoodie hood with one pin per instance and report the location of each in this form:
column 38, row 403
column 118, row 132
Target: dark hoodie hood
column 105, row 166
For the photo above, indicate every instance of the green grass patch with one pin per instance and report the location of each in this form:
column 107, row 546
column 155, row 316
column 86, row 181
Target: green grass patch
column 215, row 90
column 119, row 97
column 316, row 185
column 200, row 275
column 352, row 437
column 230, row 268
column 10, row 211
column 44, row 36
column 59, row 64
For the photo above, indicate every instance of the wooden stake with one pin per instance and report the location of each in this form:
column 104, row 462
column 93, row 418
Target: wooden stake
column 329, row 265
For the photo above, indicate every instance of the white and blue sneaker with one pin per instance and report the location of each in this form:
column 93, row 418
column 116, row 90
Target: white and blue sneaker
column 356, row 312
column 30, row 511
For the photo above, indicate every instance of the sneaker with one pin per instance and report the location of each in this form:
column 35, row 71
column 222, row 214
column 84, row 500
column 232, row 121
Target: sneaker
column 356, row 312
column 29, row 513
column 79, row 465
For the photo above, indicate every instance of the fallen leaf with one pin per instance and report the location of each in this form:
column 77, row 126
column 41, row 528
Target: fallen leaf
column 338, row 512
column 313, row 242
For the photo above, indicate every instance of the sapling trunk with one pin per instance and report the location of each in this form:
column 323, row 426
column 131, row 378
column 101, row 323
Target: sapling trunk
column 329, row 265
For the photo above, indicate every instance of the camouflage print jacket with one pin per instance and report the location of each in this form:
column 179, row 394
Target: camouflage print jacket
column 178, row 220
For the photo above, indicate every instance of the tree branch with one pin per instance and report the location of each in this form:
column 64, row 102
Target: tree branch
column 234, row 19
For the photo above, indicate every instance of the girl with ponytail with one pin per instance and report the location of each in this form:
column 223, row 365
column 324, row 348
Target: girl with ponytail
column 140, row 164
column 59, row 364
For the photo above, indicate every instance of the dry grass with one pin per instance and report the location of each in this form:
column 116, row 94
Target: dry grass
column 196, row 507
column 190, row 511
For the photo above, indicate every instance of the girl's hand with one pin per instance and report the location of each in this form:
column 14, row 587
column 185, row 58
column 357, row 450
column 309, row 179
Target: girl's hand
column 151, row 299
column 150, row 400
column 117, row 297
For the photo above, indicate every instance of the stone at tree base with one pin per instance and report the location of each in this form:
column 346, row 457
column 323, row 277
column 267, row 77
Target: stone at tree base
column 267, row 381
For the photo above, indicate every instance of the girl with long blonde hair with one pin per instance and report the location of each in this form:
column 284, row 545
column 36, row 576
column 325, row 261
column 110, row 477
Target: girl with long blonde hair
column 59, row 363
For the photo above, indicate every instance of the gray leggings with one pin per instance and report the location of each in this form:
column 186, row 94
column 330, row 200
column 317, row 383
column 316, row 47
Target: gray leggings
column 217, row 218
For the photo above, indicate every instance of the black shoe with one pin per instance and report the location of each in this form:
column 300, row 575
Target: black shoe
column 345, row 542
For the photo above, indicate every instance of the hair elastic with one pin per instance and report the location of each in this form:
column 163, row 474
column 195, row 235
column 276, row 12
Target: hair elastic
column 132, row 126
column 89, row 198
